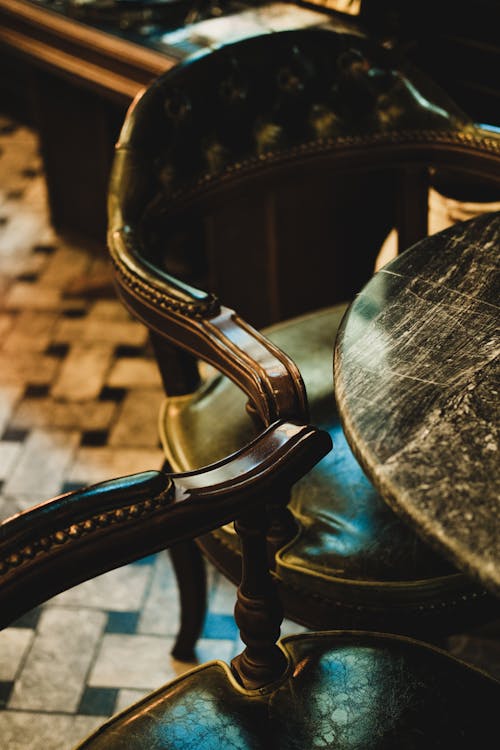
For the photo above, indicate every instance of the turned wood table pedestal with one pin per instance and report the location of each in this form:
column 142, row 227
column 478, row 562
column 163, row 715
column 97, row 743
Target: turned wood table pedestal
column 417, row 386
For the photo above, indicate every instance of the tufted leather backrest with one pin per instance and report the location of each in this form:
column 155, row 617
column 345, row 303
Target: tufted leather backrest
column 266, row 96
column 225, row 158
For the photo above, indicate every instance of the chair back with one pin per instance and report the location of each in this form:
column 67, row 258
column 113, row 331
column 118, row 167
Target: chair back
column 269, row 171
column 245, row 170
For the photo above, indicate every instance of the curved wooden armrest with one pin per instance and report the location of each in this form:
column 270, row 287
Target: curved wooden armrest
column 198, row 323
column 77, row 536
column 185, row 142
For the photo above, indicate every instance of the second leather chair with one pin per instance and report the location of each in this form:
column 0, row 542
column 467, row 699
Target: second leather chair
column 319, row 690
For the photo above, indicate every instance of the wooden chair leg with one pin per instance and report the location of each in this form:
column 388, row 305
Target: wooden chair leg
column 413, row 207
column 258, row 612
column 189, row 568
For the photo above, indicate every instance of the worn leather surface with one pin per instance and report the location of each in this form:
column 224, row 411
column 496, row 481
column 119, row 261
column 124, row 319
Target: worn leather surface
column 211, row 129
column 257, row 103
column 351, row 549
column 263, row 96
column 342, row 692
column 347, row 531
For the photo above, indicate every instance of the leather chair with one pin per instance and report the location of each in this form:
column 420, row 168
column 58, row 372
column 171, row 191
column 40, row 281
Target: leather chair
column 330, row 690
column 224, row 174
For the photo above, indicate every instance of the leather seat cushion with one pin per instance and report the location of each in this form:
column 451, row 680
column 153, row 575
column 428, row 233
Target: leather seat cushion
column 347, row 533
column 343, row 690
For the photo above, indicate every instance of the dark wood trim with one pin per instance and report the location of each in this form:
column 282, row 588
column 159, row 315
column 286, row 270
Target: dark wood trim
column 108, row 64
column 74, row 537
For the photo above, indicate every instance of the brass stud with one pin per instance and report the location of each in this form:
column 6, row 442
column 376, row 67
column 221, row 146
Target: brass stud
column 74, row 530
column 60, row 537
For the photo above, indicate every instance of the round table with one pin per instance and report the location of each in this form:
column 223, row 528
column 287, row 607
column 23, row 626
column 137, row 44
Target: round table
column 417, row 388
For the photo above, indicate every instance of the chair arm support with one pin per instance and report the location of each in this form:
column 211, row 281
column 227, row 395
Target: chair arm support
column 77, row 536
column 197, row 322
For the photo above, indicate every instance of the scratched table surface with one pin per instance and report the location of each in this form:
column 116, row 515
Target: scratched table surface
column 417, row 386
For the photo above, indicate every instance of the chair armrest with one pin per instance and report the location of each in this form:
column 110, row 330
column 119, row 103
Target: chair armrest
column 197, row 322
column 80, row 535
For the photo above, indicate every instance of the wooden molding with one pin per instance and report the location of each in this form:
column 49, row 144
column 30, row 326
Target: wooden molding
column 112, row 65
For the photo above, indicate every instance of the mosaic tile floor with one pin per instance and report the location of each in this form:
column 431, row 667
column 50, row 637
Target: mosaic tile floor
column 79, row 397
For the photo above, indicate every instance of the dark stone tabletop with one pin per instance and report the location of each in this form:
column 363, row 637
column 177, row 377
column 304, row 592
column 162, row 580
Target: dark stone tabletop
column 417, row 386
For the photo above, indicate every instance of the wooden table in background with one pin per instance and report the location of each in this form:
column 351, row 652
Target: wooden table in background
column 77, row 81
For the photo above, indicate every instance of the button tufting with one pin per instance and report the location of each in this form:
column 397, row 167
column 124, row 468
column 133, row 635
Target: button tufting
column 177, row 105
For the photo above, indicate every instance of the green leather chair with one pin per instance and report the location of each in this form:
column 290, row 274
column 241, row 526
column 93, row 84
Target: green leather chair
column 270, row 170
column 325, row 690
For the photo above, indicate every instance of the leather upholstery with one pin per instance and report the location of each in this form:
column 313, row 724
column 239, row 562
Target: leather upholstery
column 350, row 546
column 250, row 110
column 342, row 691
column 198, row 150
column 76, row 536
column 308, row 86
column 332, row 690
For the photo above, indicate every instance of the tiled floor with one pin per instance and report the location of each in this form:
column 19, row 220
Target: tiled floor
column 79, row 397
